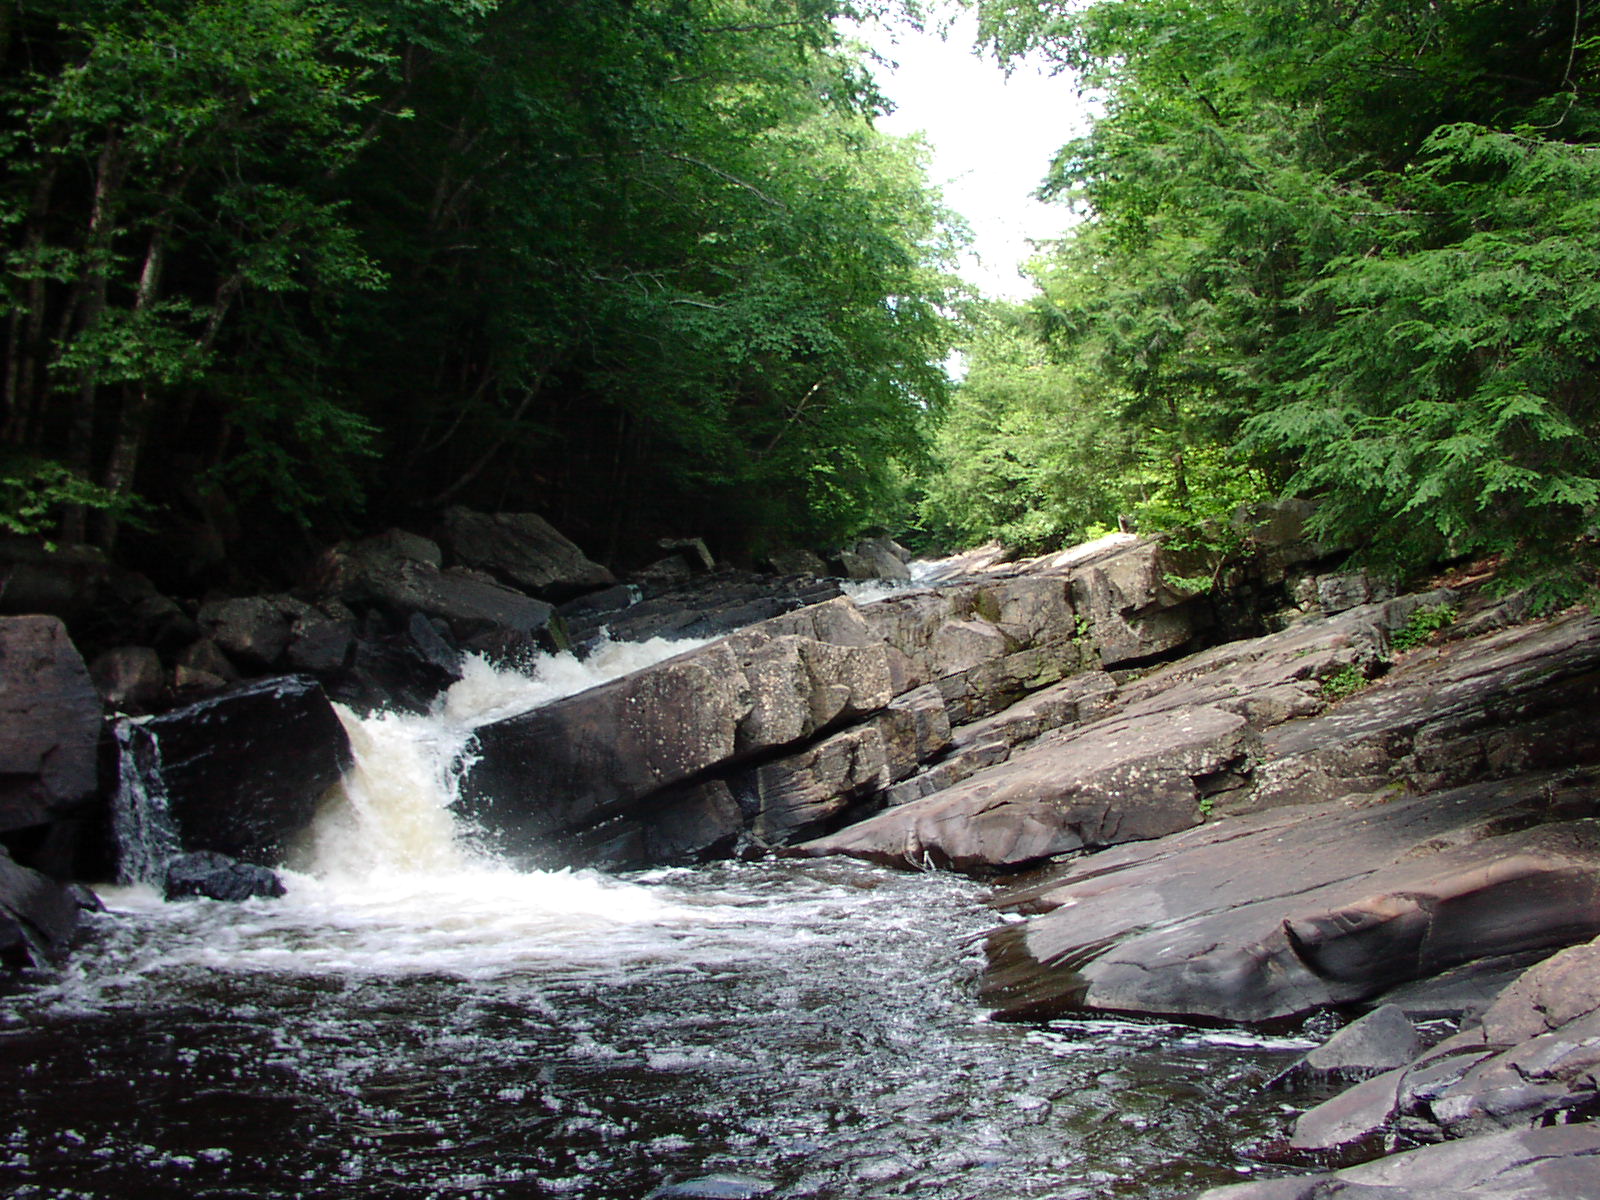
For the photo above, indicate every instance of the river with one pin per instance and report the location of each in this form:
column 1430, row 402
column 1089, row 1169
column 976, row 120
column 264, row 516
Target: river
column 415, row 1019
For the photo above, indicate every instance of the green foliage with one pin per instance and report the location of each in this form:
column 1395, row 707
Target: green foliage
column 1347, row 680
column 1025, row 451
column 1421, row 626
column 1355, row 247
column 646, row 266
column 32, row 491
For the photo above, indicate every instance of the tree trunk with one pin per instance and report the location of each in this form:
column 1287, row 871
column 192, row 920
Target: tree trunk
column 489, row 455
column 92, row 289
column 25, row 392
column 137, row 407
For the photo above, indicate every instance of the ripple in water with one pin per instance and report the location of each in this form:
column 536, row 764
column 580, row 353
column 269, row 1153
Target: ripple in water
column 414, row 1019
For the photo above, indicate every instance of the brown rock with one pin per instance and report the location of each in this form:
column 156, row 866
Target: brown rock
column 1558, row 1163
column 1118, row 780
column 522, row 549
column 1201, row 923
column 251, row 630
column 49, row 723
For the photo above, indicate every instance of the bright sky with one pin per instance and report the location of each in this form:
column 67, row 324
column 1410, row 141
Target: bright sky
column 992, row 136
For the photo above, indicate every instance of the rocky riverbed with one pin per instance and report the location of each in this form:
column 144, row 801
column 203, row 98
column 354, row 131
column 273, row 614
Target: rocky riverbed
column 1306, row 795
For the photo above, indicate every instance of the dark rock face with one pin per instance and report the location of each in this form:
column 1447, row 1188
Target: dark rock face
column 400, row 574
column 242, row 771
column 1559, row 1163
column 523, row 550
column 61, row 582
column 392, row 664
column 37, row 917
column 1135, row 612
column 218, row 877
column 577, row 761
column 1517, row 700
column 49, row 723
column 1380, row 1041
column 1092, row 786
column 252, row 631
column 130, row 679
column 704, row 606
column 805, row 717
column 875, row 558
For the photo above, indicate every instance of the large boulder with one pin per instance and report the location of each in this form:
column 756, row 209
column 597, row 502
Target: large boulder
column 700, row 606
column 521, row 549
column 399, row 573
column 50, row 719
column 875, row 558
column 388, row 663
column 985, row 645
column 579, row 760
column 1126, row 595
column 218, row 877
column 60, row 581
column 1097, row 785
column 1532, row 1059
column 240, row 773
column 130, row 679
column 1516, row 700
column 1276, row 914
column 253, row 631
column 587, row 759
column 38, row 917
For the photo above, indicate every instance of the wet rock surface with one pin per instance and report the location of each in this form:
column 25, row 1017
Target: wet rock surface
column 1558, row 1163
column 242, row 772
column 521, row 549
column 1292, row 822
column 218, row 877
column 1275, row 914
column 38, row 917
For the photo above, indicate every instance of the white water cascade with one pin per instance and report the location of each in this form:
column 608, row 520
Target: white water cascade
column 388, row 879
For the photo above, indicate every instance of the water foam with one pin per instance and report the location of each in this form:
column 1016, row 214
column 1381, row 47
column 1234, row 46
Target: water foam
column 389, row 880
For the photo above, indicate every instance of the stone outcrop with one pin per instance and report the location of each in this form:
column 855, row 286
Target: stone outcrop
column 1039, row 750
column 1531, row 1059
column 522, row 550
column 1112, row 781
column 875, row 558
column 218, row 877
column 38, row 917
column 1558, row 1163
column 704, row 606
column 578, row 762
column 239, row 773
column 49, row 724
column 1260, row 918
column 807, row 719
column 400, row 573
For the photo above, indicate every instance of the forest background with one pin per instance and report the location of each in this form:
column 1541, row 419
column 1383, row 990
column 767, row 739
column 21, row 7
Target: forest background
column 281, row 270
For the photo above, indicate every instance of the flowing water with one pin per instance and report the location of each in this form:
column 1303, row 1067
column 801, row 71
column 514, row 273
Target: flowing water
column 415, row 1020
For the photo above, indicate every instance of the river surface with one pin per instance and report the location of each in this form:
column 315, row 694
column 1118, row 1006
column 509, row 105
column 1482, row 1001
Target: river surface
column 416, row 1020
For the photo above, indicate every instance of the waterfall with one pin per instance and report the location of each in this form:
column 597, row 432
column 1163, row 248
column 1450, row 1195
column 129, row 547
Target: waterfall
column 393, row 812
column 141, row 820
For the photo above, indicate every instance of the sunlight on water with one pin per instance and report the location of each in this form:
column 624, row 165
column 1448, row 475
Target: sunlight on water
column 388, row 881
column 415, row 1018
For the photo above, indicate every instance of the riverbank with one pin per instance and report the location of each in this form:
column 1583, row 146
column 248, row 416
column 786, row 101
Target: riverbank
column 1375, row 802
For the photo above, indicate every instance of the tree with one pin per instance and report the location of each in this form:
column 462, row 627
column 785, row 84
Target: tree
column 1355, row 244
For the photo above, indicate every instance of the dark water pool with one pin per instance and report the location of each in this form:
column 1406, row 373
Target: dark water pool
column 810, row 1026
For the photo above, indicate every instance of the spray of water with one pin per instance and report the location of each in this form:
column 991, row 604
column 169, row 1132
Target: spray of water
column 387, row 878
